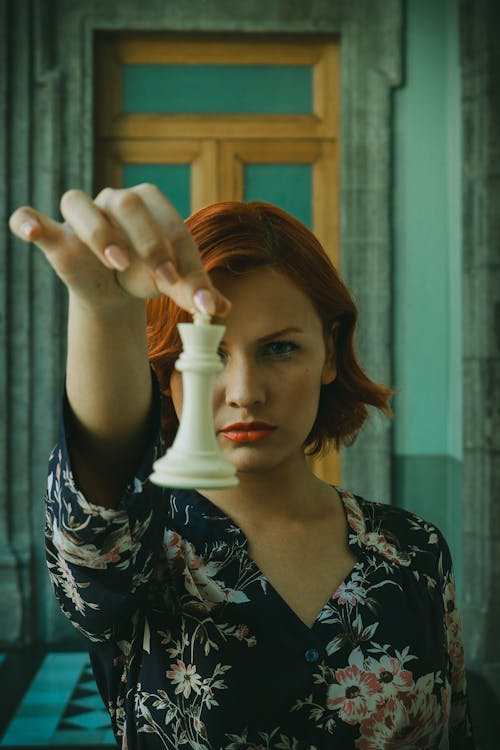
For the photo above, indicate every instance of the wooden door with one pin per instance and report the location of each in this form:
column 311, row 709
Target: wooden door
column 224, row 118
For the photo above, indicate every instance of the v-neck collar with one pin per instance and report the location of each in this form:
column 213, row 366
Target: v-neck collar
column 209, row 524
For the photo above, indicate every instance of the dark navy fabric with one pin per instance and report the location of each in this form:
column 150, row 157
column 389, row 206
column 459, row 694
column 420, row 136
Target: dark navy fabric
column 192, row 647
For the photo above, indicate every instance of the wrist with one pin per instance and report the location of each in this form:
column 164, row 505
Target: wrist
column 124, row 309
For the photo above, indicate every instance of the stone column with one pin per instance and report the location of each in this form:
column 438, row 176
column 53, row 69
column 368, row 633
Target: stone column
column 480, row 52
column 31, row 324
column 10, row 601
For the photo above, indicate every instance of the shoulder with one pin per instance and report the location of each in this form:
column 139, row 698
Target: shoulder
column 397, row 533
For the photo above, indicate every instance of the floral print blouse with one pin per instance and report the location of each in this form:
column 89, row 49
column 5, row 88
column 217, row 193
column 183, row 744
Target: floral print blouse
column 192, row 647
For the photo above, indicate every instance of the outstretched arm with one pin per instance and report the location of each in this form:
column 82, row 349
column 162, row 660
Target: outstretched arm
column 112, row 254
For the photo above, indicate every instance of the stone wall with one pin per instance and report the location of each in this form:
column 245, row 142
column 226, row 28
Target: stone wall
column 31, row 317
column 480, row 27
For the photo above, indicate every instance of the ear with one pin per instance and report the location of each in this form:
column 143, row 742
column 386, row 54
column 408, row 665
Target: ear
column 330, row 367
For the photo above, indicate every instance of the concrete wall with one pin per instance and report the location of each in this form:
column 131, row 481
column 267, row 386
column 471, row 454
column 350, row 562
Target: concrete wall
column 480, row 56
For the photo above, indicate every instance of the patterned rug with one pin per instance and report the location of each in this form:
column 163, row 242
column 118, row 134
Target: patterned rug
column 61, row 707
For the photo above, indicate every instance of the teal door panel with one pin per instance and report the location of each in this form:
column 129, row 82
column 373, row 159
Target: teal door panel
column 174, row 180
column 288, row 186
column 218, row 89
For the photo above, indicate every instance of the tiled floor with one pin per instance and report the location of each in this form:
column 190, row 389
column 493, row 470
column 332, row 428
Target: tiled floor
column 58, row 707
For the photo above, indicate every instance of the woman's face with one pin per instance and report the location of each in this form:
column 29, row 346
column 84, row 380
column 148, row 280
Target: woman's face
column 275, row 361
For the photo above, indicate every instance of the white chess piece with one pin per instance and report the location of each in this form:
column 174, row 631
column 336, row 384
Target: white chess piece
column 195, row 460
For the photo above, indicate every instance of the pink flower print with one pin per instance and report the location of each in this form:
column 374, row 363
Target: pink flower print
column 449, row 603
column 88, row 555
column 350, row 592
column 241, row 632
column 416, row 721
column 355, row 515
column 200, row 727
column 356, row 693
column 173, row 545
column 199, row 576
column 392, row 678
column 186, row 678
column 380, row 544
column 453, row 627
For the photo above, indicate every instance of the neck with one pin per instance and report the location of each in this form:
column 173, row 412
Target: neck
column 285, row 494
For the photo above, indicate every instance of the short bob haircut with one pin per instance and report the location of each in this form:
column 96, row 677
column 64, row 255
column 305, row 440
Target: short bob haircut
column 237, row 237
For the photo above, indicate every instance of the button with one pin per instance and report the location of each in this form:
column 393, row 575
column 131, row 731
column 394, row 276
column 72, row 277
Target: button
column 312, row 655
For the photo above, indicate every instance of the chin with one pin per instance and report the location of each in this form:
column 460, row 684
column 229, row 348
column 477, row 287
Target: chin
column 252, row 464
column 249, row 460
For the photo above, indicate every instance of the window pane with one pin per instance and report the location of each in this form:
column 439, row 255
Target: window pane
column 257, row 89
column 174, row 180
column 288, row 186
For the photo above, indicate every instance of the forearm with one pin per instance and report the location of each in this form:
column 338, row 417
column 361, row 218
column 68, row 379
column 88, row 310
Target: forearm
column 108, row 385
column 108, row 379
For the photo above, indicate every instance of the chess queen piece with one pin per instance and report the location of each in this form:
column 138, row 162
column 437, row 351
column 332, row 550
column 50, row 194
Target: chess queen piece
column 195, row 460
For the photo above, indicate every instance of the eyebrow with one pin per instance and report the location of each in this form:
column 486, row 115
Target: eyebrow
column 275, row 335
column 280, row 333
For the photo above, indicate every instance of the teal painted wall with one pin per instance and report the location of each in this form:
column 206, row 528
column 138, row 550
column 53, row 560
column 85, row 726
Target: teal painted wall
column 427, row 272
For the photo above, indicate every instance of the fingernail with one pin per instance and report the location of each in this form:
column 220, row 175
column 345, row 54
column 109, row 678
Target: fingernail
column 204, row 301
column 166, row 272
column 117, row 257
column 29, row 227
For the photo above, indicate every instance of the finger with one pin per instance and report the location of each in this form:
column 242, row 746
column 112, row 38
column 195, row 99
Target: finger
column 57, row 241
column 32, row 226
column 144, row 214
column 185, row 255
column 126, row 209
column 94, row 229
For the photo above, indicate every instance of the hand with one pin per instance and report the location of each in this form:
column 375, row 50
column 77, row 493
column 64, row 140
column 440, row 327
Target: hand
column 127, row 243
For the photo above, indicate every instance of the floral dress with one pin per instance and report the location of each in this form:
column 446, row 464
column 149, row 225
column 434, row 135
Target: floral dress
column 192, row 647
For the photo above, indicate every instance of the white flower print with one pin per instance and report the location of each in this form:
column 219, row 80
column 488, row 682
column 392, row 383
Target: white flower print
column 356, row 692
column 185, row 678
column 393, row 679
column 351, row 592
column 198, row 576
column 61, row 575
column 88, row 555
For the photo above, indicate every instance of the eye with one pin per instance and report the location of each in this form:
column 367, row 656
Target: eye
column 280, row 349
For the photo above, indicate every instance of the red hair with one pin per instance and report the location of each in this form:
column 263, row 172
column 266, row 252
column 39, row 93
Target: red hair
column 237, row 237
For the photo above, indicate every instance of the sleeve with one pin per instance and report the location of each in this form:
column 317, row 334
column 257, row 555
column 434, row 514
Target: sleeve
column 460, row 728
column 100, row 560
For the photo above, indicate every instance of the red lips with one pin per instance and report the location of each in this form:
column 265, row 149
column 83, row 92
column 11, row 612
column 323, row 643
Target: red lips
column 248, row 432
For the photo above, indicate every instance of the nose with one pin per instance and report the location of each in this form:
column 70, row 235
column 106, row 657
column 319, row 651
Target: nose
column 243, row 383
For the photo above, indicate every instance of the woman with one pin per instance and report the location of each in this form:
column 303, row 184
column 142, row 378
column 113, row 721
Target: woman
column 281, row 613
